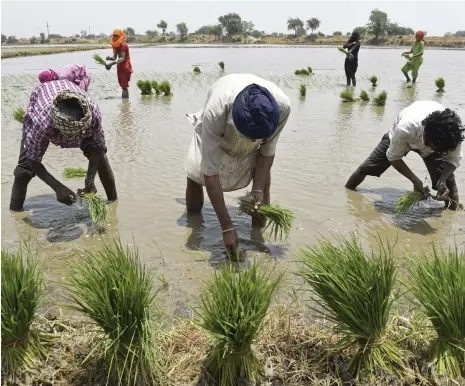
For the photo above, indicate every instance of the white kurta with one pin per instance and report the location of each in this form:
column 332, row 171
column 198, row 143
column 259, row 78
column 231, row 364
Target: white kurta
column 217, row 147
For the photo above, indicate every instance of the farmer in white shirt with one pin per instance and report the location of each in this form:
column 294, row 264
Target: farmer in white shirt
column 234, row 143
column 429, row 129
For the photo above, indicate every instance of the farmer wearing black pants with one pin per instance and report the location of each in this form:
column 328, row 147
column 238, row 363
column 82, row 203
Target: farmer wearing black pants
column 351, row 62
column 432, row 131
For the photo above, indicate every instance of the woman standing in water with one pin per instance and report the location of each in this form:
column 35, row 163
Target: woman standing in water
column 122, row 59
column 415, row 61
column 351, row 63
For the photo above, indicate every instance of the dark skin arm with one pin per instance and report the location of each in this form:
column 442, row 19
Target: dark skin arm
column 96, row 155
column 443, row 192
column 215, row 193
column 262, row 168
column 403, row 169
column 64, row 195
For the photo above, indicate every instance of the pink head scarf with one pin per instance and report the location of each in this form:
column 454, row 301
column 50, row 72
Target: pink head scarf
column 47, row 76
column 74, row 73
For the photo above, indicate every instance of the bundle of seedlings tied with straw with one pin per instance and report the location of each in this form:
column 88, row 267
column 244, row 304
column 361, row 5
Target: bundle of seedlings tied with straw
column 99, row 60
column 303, row 90
column 165, row 87
column 75, row 173
column 114, row 290
column 440, row 84
column 221, row 64
column 373, row 79
column 233, row 307
column 354, row 290
column 380, row 99
column 196, row 70
column 304, row 71
column 22, row 293
column 278, row 220
column 156, row 87
column 364, row 96
column 437, row 280
column 410, row 199
column 347, row 95
column 18, row 114
column 97, row 208
column 344, row 51
column 145, row 87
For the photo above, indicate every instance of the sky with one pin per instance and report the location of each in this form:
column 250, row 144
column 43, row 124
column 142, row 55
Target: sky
column 29, row 18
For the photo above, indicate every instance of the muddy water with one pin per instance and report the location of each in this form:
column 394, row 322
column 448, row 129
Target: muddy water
column 147, row 137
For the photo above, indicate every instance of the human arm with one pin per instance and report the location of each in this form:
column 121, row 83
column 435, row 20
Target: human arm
column 452, row 162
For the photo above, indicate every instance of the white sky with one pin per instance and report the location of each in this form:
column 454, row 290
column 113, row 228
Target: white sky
column 29, row 18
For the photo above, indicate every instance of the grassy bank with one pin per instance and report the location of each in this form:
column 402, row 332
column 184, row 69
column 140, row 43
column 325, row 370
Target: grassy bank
column 44, row 50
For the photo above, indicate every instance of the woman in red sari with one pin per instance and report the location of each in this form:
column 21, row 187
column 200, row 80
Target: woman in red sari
column 122, row 60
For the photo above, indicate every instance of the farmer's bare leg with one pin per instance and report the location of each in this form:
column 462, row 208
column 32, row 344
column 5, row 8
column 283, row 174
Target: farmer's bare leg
column 453, row 203
column 107, row 179
column 260, row 221
column 23, row 175
column 125, row 94
column 355, row 179
column 194, row 197
column 354, row 81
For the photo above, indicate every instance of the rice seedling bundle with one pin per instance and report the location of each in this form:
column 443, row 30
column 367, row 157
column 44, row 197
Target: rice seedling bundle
column 373, row 79
column 354, row 290
column 99, row 60
column 310, row 70
column 438, row 283
column 18, row 114
column 145, row 87
column 278, row 220
column 97, row 208
column 114, row 290
column 75, row 173
column 196, row 70
column 440, row 84
column 165, row 87
column 232, row 309
column 407, row 201
column 221, row 64
column 156, row 87
column 344, row 51
column 380, row 99
column 347, row 95
column 304, row 71
column 303, row 90
column 22, row 292
column 364, row 96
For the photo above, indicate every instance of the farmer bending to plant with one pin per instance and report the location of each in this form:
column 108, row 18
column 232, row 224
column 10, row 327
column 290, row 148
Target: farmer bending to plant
column 234, row 143
column 415, row 61
column 351, row 62
column 75, row 73
column 432, row 131
column 122, row 60
column 62, row 113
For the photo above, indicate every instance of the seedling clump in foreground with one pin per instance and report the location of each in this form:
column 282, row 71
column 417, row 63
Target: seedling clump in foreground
column 440, row 84
column 364, row 96
column 373, row 79
column 75, row 173
column 18, row 114
column 380, row 99
column 347, row 95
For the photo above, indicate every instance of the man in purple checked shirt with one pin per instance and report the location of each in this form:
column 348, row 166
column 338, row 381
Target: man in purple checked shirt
column 62, row 113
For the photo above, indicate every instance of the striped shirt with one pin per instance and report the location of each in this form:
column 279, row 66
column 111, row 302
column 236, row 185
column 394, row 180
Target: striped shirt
column 38, row 126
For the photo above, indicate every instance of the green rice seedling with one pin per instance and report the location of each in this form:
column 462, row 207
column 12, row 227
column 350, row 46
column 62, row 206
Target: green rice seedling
column 278, row 220
column 221, row 64
column 354, row 290
column 145, row 87
column 233, row 307
column 75, row 173
column 344, row 51
column 22, row 293
column 407, row 201
column 98, row 209
column 18, row 114
column 196, row 70
column 380, row 99
column 440, row 84
column 113, row 289
column 165, row 87
column 437, row 280
column 303, row 90
column 99, row 60
column 304, row 71
column 364, row 96
column 156, row 87
column 310, row 70
column 373, row 79
column 347, row 95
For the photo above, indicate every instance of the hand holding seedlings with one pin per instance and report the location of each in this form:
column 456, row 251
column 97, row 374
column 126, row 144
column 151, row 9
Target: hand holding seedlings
column 88, row 188
column 230, row 241
column 443, row 192
column 65, row 195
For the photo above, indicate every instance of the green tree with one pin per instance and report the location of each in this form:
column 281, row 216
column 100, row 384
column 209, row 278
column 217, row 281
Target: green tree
column 11, row 40
column 337, row 33
column 313, row 24
column 295, row 25
column 163, row 25
column 247, row 29
column 151, row 33
column 216, row 31
column 459, row 34
column 34, row 40
column 232, row 23
column 361, row 30
column 182, row 30
column 130, row 31
column 378, row 24
column 42, row 38
column 3, row 39
column 257, row 34
column 205, row 30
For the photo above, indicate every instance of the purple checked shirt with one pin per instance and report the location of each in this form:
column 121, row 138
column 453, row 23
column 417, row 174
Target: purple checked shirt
column 38, row 126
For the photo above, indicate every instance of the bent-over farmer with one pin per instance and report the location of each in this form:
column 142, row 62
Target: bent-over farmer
column 432, row 131
column 234, row 143
column 62, row 113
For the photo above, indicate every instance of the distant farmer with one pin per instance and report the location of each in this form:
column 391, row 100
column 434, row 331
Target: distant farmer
column 432, row 131
column 62, row 113
column 415, row 61
column 351, row 63
column 234, row 143
column 122, row 59
column 75, row 73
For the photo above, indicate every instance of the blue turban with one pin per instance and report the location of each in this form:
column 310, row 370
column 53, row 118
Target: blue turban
column 255, row 112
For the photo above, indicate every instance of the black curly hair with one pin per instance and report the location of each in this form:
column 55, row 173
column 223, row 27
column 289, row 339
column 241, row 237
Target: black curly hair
column 443, row 130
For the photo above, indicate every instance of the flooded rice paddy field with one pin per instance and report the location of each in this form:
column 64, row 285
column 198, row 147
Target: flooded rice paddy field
column 148, row 137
